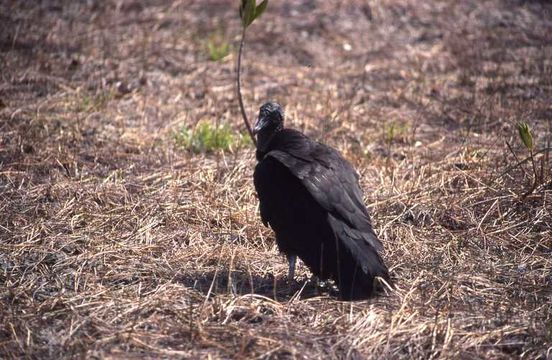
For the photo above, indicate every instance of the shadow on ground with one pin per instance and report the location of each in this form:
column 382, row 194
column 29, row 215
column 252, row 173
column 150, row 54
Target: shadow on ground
column 243, row 283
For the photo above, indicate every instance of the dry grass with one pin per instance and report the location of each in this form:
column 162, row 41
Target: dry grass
column 116, row 243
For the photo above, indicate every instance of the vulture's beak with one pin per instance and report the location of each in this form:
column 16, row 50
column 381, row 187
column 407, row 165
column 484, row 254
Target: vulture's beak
column 260, row 124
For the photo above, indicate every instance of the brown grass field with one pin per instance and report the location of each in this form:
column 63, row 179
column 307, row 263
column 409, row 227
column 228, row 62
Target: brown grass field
column 118, row 242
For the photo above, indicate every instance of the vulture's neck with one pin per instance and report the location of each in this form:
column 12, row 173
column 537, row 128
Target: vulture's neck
column 264, row 142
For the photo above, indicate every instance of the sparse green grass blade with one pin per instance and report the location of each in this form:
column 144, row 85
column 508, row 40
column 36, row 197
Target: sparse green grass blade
column 206, row 137
column 218, row 51
column 217, row 46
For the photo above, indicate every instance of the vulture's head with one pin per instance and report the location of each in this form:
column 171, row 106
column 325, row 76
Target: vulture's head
column 269, row 122
column 271, row 118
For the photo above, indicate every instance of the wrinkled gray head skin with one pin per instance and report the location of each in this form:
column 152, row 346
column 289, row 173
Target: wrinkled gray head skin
column 269, row 122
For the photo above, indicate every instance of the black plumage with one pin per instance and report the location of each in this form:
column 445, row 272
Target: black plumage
column 310, row 196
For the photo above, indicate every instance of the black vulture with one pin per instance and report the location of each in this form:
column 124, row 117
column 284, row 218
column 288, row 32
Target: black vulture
column 310, row 196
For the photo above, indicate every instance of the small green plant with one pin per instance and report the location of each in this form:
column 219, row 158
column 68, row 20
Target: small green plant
column 525, row 135
column 527, row 139
column 539, row 175
column 93, row 102
column 217, row 47
column 395, row 131
column 249, row 11
column 206, row 137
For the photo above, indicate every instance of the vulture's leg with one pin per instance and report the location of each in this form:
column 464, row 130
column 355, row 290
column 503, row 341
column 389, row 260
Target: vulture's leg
column 291, row 273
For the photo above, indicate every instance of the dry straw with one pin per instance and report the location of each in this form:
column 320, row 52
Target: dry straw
column 117, row 243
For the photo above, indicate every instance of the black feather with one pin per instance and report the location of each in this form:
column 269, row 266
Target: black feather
column 310, row 196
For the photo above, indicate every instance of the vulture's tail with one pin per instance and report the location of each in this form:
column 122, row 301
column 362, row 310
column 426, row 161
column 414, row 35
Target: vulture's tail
column 359, row 262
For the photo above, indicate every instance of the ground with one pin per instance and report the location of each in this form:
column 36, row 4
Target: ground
column 118, row 241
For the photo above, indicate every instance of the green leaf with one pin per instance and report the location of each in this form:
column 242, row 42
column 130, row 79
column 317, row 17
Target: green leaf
column 247, row 12
column 260, row 8
column 525, row 135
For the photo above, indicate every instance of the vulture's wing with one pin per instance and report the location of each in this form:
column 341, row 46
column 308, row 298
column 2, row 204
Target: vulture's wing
column 333, row 182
